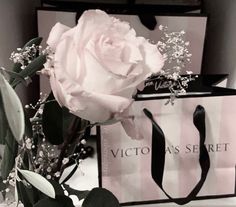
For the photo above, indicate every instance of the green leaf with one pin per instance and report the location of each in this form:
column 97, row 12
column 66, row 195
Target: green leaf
column 31, row 69
column 60, row 201
column 2, row 185
column 17, row 66
column 56, row 121
column 25, row 160
column 15, row 75
column 80, row 194
column 3, row 123
column 35, row 41
column 28, row 127
column 58, row 189
column 2, row 188
column 52, row 121
column 9, row 155
column 39, row 182
column 13, row 109
column 100, row 197
column 28, row 195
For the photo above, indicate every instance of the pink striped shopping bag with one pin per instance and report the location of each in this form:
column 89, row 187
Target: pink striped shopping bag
column 186, row 151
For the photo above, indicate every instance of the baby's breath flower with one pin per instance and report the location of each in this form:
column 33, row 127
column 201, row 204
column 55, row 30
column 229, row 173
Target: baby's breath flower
column 65, row 160
column 189, row 72
column 175, row 52
column 28, row 143
column 24, row 56
column 48, row 177
column 57, row 174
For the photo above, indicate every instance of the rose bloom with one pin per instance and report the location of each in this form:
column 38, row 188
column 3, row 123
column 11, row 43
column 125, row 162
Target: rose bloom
column 98, row 65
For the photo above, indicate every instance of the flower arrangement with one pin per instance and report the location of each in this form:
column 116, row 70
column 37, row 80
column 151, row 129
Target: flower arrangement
column 94, row 70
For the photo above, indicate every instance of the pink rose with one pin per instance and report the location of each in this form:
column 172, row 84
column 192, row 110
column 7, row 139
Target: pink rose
column 98, row 64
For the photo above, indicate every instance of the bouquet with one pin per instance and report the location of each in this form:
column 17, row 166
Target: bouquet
column 94, row 70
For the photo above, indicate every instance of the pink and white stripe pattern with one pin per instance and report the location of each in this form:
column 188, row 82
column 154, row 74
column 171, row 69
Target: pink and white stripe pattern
column 126, row 163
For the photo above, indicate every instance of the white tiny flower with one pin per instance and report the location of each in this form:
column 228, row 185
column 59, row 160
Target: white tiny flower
column 41, row 153
column 40, row 111
column 48, row 177
column 65, row 160
column 182, row 91
column 40, row 159
column 57, row 174
column 49, row 169
column 189, row 72
column 187, row 43
column 175, row 76
column 83, row 141
column 161, row 27
column 28, row 143
column 12, row 175
column 11, row 182
column 189, row 55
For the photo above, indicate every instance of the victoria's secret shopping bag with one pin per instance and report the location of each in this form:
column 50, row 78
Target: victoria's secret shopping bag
column 171, row 162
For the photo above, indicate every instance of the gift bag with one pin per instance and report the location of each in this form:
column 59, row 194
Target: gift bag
column 185, row 151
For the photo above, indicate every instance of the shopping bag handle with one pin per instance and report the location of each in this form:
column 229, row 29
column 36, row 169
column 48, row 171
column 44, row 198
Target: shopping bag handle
column 158, row 154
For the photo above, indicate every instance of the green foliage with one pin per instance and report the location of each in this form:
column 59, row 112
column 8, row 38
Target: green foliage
column 60, row 201
column 59, row 127
column 39, row 182
column 28, row 127
column 56, row 121
column 27, row 195
column 31, row 69
column 13, row 109
column 3, row 123
column 16, row 69
column 12, row 120
column 34, row 41
column 100, row 197
column 9, row 155
column 17, row 66
column 2, row 187
column 57, row 187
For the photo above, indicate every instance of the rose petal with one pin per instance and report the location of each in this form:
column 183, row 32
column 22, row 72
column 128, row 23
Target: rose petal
column 131, row 129
column 100, row 107
column 57, row 90
column 91, row 22
column 153, row 58
column 98, row 65
column 63, row 88
column 66, row 59
column 132, row 123
column 55, row 34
